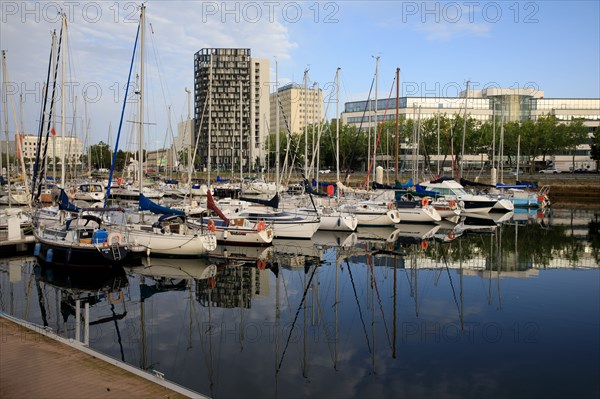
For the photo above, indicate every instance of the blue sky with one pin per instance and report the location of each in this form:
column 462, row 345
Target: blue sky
column 551, row 45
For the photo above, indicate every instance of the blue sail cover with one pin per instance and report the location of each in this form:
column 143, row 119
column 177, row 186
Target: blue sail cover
column 408, row 184
column 147, row 205
column 323, row 183
column 311, row 190
column 65, row 205
column 421, row 190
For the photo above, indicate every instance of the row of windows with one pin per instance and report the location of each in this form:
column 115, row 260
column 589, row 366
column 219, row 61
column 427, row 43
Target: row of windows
column 380, row 118
column 524, row 102
column 416, row 102
column 566, row 103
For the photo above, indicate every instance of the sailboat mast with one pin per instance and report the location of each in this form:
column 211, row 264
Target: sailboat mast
column 87, row 137
column 306, row 123
column 241, row 135
column 397, row 119
column 276, row 129
column 73, row 132
column 315, row 147
column 63, row 104
column 462, row 151
column 518, row 153
column 209, row 144
column 337, row 128
column 501, row 149
column 493, row 168
column 5, row 109
column 141, row 89
column 376, row 121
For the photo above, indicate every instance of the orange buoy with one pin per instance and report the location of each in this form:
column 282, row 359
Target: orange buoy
column 330, row 190
column 211, row 226
column 260, row 226
column 261, row 264
column 541, row 199
column 425, row 201
column 451, row 236
column 424, row 245
column 212, row 282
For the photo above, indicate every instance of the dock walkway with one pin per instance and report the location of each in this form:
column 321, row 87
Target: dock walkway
column 33, row 365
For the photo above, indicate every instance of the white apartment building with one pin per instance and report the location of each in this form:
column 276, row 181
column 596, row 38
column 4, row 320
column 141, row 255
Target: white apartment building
column 299, row 107
column 72, row 146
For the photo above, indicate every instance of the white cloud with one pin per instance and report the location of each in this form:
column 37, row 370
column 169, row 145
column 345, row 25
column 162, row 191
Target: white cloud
column 101, row 45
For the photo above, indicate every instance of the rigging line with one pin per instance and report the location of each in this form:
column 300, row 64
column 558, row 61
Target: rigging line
column 287, row 297
column 376, row 144
column 159, row 67
column 450, row 279
column 112, row 309
column 296, row 145
column 323, row 323
column 42, row 159
column 362, row 320
column 374, row 280
column 296, row 317
column 114, row 159
column 321, row 129
column 362, row 119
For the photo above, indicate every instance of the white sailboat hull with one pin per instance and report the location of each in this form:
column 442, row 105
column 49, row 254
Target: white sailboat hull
column 426, row 214
column 171, row 244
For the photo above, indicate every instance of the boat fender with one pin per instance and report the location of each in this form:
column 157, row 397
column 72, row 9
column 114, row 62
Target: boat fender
column 541, row 199
column 390, row 206
column 260, row 226
column 212, row 282
column 261, row 264
column 211, row 226
column 112, row 236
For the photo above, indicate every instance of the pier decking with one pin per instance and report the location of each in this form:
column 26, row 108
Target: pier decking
column 32, row 365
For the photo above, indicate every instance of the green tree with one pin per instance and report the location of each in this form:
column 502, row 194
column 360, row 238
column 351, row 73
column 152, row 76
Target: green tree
column 100, row 154
column 574, row 133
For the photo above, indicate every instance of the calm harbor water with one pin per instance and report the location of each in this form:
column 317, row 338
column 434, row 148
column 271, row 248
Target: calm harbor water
column 507, row 311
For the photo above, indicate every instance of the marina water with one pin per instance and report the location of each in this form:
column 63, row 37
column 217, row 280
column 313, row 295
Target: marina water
column 508, row 311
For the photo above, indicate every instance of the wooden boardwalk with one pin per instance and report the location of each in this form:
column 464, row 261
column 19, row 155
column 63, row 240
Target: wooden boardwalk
column 32, row 365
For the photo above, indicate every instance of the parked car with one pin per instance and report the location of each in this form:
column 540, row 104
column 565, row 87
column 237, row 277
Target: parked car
column 513, row 172
column 583, row 170
column 551, row 169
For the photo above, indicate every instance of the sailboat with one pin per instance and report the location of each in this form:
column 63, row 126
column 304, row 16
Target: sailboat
column 454, row 191
column 168, row 234
column 236, row 231
column 286, row 224
column 83, row 239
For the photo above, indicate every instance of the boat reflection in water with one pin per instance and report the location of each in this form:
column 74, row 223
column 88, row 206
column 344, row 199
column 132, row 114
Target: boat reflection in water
column 78, row 289
column 382, row 304
column 171, row 274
